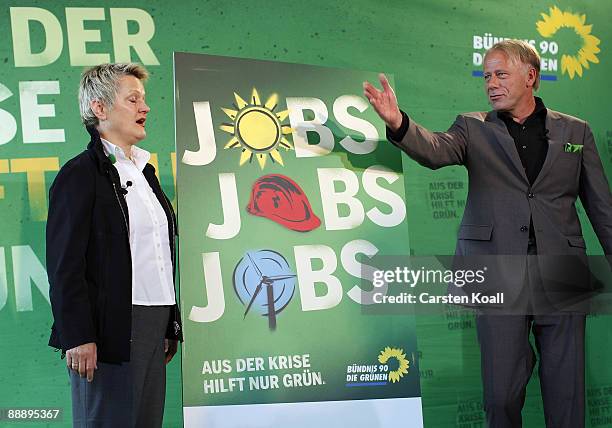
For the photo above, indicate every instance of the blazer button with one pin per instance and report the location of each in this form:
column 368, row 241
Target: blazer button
column 524, row 228
column 530, row 195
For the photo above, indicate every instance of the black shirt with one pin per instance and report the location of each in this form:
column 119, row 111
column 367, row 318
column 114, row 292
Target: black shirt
column 530, row 139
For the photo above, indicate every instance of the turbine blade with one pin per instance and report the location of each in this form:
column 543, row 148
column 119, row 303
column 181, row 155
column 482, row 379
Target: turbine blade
column 257, row 290
column 280, row 277
column 255, row 266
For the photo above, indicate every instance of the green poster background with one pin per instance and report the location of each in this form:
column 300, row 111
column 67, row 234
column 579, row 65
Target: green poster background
column 428, row 47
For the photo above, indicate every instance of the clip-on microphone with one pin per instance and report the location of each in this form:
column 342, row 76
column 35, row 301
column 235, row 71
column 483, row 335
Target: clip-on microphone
column 124, row 189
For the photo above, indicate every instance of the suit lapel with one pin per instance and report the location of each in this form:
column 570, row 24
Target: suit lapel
column 556, row 130
column 506, row 142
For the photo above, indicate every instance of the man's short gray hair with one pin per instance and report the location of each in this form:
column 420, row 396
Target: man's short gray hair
column 519, row 52
column 100, row 83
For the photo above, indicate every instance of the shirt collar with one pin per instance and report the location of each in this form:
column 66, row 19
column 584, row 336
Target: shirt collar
column 540, row 109
column 140, row 156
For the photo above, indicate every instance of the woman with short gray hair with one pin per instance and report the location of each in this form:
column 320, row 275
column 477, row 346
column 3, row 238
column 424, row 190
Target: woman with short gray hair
column 111, row 260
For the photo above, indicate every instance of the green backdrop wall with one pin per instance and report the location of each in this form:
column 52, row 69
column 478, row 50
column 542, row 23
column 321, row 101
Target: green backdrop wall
column 433, row 50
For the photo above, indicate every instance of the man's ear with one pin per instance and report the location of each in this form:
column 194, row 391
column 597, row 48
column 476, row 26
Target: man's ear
column 532, row 74
column 99, row 109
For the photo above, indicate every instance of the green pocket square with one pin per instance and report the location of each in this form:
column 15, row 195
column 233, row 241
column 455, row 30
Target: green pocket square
column 572, row 148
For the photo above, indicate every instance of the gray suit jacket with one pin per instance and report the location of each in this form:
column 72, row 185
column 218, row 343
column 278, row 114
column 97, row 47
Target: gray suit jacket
column 501, row 202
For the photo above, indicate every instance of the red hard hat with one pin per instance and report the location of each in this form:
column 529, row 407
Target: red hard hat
column 282, row 200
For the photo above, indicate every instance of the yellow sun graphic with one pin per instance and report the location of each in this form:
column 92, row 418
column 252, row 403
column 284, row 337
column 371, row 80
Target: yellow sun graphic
column 571, row 64
column 256, row 129
column 398, row 354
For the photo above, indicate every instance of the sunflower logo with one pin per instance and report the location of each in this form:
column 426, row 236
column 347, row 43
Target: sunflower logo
column 257, row 130
column 571, row 64
column 402, row 362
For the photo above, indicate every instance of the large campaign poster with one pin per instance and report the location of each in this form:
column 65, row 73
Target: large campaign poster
column 286, row 189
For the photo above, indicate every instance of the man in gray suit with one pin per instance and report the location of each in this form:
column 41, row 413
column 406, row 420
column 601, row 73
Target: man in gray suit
column 527, row 165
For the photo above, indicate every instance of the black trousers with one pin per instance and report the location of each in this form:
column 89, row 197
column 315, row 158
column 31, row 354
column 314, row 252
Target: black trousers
column 130, row 394
column 508, row 359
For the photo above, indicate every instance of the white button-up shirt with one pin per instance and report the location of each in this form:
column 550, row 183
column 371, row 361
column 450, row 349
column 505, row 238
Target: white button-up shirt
column 152, row 283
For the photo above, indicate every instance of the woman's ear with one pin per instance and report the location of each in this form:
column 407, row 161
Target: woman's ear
column 99, row 109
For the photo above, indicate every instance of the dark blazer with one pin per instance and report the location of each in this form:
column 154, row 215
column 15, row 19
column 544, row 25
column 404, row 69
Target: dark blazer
column 501, row 201
column 88, row 255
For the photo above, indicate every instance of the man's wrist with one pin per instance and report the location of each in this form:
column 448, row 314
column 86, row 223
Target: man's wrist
column 400, row 132
column 396, row 123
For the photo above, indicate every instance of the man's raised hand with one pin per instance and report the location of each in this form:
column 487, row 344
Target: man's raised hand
column 384, row 102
